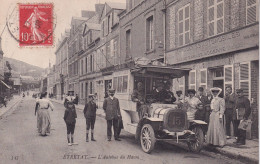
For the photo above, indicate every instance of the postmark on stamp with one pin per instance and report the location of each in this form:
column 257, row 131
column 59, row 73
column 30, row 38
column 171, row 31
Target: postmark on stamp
column 35, row 24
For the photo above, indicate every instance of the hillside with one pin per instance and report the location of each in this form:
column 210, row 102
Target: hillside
column 23, row 68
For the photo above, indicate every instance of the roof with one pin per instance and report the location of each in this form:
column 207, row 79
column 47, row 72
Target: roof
column 160, row 70
column 87, row 14
column 93, row 26
column 116, row 5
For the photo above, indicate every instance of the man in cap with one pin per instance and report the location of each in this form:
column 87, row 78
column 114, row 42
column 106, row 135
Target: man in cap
column 169, row 97
column 230, row 109
column 243, row 110
column 113, row 114
column 90, row 115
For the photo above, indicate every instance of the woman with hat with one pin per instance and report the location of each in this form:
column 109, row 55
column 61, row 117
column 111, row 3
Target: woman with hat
column 216, row 134
column 193, row 102
column 44, row 124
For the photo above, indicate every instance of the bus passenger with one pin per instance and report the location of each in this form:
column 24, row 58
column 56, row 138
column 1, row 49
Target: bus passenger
column 193, row 102
column 139, row 97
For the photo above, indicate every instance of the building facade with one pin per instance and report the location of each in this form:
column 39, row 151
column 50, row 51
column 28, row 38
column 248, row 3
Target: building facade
column 218, row 41
column 62, row 66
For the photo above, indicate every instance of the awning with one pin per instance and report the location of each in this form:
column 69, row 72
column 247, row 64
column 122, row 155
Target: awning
column 7, row 86
column 161, row 70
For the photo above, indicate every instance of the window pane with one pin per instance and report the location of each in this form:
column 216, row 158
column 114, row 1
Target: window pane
column 187, row 37
column 220, row 26
column 211, row 14
column 115, row 83
column 192, row 77
column 250, row 2
column 125, row 81
column 187, row 25
column 181, row 27
column 120, row 84
column 211, row 2
column 181, row 15
column 203, row 76
column 187, row 12
column 181, row 39
column 220, row 10
column 228, row 74
column 211, row 29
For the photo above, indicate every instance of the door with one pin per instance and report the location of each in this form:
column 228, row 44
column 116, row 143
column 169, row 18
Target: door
column 219, row 84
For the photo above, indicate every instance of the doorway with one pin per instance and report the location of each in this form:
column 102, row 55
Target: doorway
column 218, row 79
column 219, row 84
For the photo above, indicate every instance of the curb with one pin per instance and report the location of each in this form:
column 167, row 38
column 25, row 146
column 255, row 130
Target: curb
column 231, row 155
column 11, row 107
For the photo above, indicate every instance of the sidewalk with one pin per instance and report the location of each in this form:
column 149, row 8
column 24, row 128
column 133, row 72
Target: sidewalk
column 247, row 153
column 10, row 104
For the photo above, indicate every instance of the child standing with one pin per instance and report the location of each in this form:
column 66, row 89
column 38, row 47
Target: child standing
column 70, row 116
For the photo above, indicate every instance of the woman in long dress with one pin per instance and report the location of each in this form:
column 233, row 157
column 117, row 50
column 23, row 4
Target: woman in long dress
column 216, row 134
column 44, row 125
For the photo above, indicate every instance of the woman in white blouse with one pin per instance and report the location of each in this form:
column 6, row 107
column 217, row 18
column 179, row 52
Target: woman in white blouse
column 44, row 124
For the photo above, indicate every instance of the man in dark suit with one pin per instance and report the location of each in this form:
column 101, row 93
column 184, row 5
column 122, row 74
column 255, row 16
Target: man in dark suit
column 113, row 114
column 203, row 100
column 90, row 115
column 243, row 111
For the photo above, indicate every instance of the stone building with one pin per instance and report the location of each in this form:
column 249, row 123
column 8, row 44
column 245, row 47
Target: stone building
column 218, row 41
column 62, row 66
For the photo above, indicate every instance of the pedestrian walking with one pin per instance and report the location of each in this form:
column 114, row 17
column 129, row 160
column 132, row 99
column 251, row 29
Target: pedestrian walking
column 243, row 110
column 216, row 134
column 44, row 116
column 90, row 115
column 70, row 116
column 230, row 109
column 113, row 114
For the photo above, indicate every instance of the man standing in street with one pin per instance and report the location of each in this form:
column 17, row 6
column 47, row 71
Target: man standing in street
column 112, row 110
column 229, row 112
column 90, row 115
column 243, row 111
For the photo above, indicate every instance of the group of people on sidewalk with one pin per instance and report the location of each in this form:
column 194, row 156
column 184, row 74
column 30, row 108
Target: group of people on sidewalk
column 219, row 113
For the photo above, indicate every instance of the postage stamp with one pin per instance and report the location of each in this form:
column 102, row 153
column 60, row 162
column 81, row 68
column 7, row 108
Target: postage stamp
column 36, row 24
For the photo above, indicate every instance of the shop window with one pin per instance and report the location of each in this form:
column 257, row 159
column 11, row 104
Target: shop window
column 184, row 25
column 149, row 33
column 251, row 11
column 244, row 78
column 203, row 78
column 192, row 79
column 120, row 84
column 228, row 76
column 215, row 17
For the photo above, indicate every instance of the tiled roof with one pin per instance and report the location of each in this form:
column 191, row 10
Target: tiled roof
column 116, row 5
column 94, row 26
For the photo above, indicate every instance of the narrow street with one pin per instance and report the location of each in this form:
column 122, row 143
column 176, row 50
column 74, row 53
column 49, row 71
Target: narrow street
column 20, row 143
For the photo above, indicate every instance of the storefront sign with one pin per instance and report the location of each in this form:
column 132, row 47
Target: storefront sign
column 237, row 40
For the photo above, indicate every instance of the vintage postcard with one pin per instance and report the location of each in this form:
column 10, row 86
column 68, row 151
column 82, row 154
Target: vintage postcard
column 129, row 81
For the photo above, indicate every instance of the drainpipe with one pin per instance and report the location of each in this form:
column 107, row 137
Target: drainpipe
column 164, row 31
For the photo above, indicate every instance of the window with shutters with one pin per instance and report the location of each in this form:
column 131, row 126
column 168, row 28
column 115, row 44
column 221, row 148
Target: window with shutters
column 203, row 78
column 251, row 11
column 184, row 25
column 149, row 33
column 128, row 43
column 228, row 76
column 244, row 78
column 215, row 17
column 192, row 79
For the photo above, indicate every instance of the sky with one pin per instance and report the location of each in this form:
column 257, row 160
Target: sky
column 64, row 10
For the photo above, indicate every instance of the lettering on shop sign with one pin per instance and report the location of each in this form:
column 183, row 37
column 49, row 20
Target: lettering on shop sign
column 242, row 39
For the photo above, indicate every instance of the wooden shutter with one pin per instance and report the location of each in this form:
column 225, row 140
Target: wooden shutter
column 192, row 79
column 251, row 11
column 228, row 76
column 181, row 17
column 203, row 78
column 187, row 24
column 244, row 78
